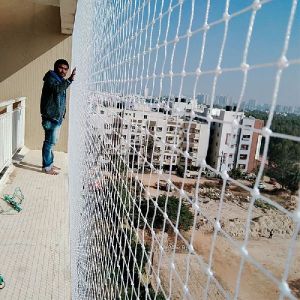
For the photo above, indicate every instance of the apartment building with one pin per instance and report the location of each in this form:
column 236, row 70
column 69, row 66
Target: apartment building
column 195, row 140
column 145, row 133
column 223, row 144
column 249, row 145
column 234, row 148
column 138, row 131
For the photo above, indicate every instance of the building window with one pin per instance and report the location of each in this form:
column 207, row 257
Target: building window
column 243, row 156
column 246, row 137
column 227, row 141
column 145, row 117
column 159, row 129
column 244, row 147
column 242, row 166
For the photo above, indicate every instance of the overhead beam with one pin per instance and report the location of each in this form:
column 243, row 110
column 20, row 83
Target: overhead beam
column 67, row 15
column 48, row 2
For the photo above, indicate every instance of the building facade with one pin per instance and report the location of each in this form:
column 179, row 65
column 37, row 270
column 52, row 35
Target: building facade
column 223, row 143
column 249, row 145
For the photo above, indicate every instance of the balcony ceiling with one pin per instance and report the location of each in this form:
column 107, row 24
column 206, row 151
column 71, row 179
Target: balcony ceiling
column 67, row 12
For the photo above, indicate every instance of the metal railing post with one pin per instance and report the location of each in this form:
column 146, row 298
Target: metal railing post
column 12, row 129
column 22, row 123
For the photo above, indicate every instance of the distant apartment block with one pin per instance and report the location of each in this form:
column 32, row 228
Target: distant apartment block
column 221, row 100
column 223, row 143
column 237, row 148
column 150, row 134
column 249, row 145
column 142, row 132
column 202, row 98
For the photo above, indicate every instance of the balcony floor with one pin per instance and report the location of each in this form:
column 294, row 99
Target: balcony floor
column 34, row 244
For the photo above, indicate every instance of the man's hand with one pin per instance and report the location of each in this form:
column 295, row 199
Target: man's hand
column 73, row 74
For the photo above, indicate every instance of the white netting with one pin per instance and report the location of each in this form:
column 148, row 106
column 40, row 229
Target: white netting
column 157, row 210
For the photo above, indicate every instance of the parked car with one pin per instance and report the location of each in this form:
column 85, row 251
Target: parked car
column 210, row 174
column 250, row 176
column 192, row 174
column 261, row 186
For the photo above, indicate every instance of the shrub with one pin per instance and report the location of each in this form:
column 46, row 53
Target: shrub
column 235, row 173
column 154, row 215
column 180, row 171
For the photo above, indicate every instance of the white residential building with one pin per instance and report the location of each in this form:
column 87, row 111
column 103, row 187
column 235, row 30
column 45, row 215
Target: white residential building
column 249, row 145
column 223, row 143
column 154, row 135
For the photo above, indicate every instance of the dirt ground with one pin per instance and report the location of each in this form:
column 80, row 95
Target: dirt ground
column 226, row 260
column 270, row 253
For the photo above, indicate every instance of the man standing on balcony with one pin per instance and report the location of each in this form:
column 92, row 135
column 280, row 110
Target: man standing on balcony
column 53, row 110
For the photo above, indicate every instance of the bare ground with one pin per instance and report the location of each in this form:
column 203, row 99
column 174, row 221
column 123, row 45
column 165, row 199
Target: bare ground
column 270, row 253
column 190, row 272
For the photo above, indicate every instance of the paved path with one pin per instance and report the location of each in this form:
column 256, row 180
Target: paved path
column 34, row 244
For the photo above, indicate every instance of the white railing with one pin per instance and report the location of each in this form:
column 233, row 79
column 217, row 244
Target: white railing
column 12, row 129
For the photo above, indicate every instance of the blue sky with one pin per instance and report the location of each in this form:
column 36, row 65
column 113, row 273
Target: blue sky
column 266, row 46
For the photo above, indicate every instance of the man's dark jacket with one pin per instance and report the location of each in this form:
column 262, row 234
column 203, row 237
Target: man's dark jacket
column 53, row 99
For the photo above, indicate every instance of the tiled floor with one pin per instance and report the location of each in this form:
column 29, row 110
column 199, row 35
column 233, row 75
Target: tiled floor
column 34, row 244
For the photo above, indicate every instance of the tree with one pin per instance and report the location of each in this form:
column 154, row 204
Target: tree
column 123, row 245
column 283, row 163
column 180, row 171
column 154, row 215
column 235, row 173
column 283, row 154
column 150, row 146
column 287, row 173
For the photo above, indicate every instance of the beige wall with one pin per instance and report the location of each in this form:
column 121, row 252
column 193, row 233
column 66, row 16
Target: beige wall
column 27, row 30
column 28, row 82
column 30, row 42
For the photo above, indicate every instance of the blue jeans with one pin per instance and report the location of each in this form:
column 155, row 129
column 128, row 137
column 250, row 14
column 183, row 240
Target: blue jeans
column 52, row 130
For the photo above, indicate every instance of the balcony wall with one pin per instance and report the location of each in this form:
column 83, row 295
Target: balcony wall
column 31, row 40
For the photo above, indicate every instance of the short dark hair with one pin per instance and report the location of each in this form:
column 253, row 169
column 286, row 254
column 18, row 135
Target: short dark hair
column 60, row 62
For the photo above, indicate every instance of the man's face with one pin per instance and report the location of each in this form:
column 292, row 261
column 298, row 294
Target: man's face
column 62, row 70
